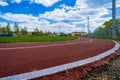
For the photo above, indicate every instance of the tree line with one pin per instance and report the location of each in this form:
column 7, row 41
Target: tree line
column 17, row 31
column 105, row 30
column 24, row 31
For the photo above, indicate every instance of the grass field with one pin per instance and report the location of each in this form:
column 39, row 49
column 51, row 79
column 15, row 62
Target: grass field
column 36, row 39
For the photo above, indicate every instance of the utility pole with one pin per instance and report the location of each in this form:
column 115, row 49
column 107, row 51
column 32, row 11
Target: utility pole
column 88, row 25
column 113, row 18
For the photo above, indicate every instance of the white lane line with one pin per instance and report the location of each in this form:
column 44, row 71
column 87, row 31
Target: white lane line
column 52, row 70
column 45, row 45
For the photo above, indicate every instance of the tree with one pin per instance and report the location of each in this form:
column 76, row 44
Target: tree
column 0, row 29
column 24, row 31
column 41, row 33
column 106, row 29
column 118, row 27
column 8, row 28
column 54, row 33
column 3, row 30
column 62, row 34
column 48, row 33
column 36, row 32
column 16, row 29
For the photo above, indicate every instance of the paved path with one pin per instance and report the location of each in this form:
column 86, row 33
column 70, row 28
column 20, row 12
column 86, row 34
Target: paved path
column 19, row 58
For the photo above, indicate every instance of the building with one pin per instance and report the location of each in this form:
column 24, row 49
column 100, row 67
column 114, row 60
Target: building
column 77, row 33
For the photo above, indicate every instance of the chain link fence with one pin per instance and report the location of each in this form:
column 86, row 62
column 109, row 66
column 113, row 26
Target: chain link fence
column 105, row 30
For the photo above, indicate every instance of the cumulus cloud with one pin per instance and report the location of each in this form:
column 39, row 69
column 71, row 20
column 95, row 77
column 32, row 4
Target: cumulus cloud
column 77, row 14
column 2, row 3
column 57, row 15
column 97, row 3
column 118, row 3
column 66, row 18
column 2, row 24
column 46, row 3
column 31, row 22
column 64, row 27
column 16, row 1
column 24, row 20
column 18, row 17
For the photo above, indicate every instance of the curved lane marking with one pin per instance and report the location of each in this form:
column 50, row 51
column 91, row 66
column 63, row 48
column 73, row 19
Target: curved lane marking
column 50, row 45
column 52, row 70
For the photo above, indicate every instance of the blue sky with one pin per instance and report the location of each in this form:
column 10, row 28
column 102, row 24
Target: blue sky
column 51, row 15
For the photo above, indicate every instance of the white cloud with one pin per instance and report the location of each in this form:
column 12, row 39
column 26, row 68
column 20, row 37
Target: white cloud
column 18, row 17
column 16, row 1
column 46, row 3
column 118, row 3
column 57, row 15
column 2, row 24
column 66, row 18
column 63, row 27
column 31, row 22
column 77, row 15
column 62, row 24
column 2, row 3
column 81, row 3
column 96, row 3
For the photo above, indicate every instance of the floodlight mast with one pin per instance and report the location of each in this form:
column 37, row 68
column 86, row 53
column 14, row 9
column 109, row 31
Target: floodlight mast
column 113, row 18
column 88, row 25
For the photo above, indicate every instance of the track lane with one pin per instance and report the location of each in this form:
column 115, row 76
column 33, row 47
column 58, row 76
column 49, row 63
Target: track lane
column 27, row 60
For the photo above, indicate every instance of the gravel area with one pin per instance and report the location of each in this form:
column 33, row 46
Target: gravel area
column 109, row 71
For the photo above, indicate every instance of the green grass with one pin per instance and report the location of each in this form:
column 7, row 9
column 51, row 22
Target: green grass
column 36, row 39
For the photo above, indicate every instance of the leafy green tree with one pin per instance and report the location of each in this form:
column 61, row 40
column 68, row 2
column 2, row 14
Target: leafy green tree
column 0, row 29
column 62, row 34
column 24, row 31
column 3, row 30
column 16, row 29
column 106, row 28
column 41, row 33
column 36, row 32
column 54, row 33
column 99, row 31
column 8, row 30
column 48, row 33
column 118, row 27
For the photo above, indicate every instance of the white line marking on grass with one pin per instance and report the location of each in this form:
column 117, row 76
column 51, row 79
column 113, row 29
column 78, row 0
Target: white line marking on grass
column 50, row 45
column 52, row 70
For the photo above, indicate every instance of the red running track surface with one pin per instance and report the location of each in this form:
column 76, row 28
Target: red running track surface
column 16, row 61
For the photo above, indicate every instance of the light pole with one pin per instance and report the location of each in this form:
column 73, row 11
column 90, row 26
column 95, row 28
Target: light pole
column 113, row 18
column 88, row 25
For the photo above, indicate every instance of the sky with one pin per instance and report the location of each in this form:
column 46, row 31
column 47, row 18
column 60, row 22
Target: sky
column 57, row 15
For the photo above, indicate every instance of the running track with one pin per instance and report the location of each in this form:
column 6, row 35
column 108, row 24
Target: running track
column 19, row 58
